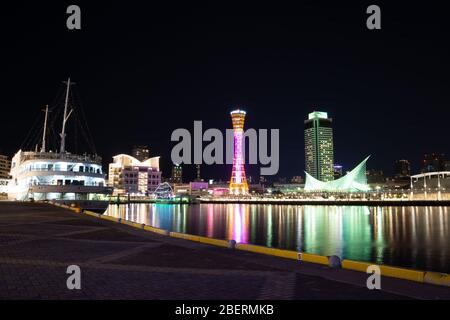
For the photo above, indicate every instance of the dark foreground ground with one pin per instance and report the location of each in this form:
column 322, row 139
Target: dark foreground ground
column 38, row 242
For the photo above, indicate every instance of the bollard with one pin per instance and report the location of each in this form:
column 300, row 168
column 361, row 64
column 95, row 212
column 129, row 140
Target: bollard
column 334, row 262
column 231, row 244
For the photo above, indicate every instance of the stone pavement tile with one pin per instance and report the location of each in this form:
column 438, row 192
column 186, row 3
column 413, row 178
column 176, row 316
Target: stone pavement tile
column 179, row 257
column 108, row 235
column 41, row 230
column 48, row 282
column 313, row 288
column 62, row 250
column 75, row 222
column 9, row 239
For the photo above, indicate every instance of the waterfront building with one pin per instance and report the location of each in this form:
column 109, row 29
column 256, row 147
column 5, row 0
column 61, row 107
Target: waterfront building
column 129, row 175
column 354, row 180
column 193, row 189
column 140, row 152
column 297, row 180
column 375, row 176
column 177, row 174
column 431, row 185
column 433, row 162
column 337, row 171
column 402, row 169
column 319, row 154
column 5, row 167
column 238, row 181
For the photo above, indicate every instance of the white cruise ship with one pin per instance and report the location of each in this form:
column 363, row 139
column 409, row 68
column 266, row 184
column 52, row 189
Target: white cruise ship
column 59, row 176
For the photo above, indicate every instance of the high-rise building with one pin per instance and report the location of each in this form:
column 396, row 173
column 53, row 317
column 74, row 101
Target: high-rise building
column 402, row 169
column 5, row 167
column 319, row 154
column 198, row 176
column 141, row 153
column 375, row 176
column 177, row 174
column 238, row 181
column 129, row 175
column 433, row 162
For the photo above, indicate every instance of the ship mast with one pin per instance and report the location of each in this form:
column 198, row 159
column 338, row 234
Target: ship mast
column 65, row 118
column 45, row 129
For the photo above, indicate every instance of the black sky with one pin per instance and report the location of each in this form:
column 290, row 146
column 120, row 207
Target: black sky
column 144, row 69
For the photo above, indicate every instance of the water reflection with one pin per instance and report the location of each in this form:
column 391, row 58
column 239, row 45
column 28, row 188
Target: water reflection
column 415, row 237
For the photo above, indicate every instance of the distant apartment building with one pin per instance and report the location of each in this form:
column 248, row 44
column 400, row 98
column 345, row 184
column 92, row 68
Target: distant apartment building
column 5, row 167
column 297, row 180
column 129, row 175
column 402, row 169
column 319, row 153
column 141, row 153
column 433, row 162
column 177, row 174
column 375, row 176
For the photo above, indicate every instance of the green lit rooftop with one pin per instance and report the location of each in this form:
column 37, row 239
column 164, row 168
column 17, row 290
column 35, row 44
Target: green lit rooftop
column 318, row 115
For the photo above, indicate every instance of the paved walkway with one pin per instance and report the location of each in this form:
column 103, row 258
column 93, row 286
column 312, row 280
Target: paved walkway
column 38, row 242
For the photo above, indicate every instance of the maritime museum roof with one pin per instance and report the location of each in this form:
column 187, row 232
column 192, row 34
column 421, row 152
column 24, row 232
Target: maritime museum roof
column 355, row 180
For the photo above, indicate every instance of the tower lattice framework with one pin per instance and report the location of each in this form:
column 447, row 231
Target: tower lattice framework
column 238, row 181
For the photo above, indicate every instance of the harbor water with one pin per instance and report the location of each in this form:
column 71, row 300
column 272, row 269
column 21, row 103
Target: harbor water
column 413, row 237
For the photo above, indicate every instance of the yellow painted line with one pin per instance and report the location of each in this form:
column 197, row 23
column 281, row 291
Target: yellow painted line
column 110, row 218
column 402, row 273
column 313, row 258
column 91, row 213
column 214, row 242
column 132, row 224
column 441, row 279
column 269, row 251
column 156, row 230
column 184, row 236
column 387, row 271
column 355, row 265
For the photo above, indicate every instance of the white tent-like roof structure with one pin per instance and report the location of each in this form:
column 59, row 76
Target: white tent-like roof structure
column 353, row 181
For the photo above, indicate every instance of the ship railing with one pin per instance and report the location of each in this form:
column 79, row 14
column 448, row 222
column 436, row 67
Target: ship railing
column 60, row 156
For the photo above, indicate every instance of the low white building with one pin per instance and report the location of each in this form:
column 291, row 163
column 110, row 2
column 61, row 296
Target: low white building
column 128, row 175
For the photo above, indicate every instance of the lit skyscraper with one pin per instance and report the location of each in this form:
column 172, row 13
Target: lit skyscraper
column 238, row 182
column 319, row 155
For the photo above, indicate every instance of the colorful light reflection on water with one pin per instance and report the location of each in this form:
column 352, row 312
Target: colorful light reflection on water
column 417, row 237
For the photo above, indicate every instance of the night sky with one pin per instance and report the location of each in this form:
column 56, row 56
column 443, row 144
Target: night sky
column 144, row 69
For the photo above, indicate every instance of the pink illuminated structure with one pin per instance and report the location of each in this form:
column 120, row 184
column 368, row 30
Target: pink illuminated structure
column 238, row 182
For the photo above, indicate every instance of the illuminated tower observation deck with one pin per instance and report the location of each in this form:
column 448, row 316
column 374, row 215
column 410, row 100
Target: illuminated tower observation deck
column 238, row 182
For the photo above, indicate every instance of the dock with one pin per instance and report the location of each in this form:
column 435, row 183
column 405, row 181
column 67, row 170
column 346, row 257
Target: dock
column 39, row 241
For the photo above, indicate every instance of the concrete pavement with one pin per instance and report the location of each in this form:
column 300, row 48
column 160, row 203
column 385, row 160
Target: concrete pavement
column 38, row 242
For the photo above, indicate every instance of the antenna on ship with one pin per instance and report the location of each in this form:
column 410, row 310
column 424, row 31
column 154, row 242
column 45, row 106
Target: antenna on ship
column 45, row 129
column 65, row 118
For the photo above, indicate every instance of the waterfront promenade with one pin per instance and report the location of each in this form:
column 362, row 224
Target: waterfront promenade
column 38, row 242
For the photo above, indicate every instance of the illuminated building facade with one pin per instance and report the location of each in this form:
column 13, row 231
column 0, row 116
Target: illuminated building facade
column 402, row 169
column 141, row 153
column 5, row 166
column 433, row 162
column 177, row 174
column 238, row 182
column 129, row 175
column 353, row 181
column 319, row 154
